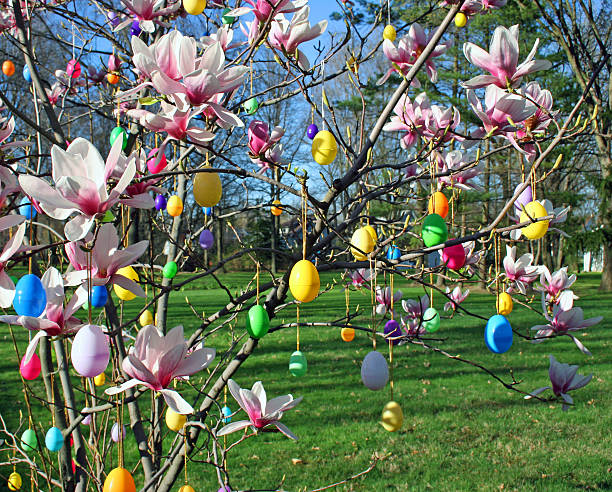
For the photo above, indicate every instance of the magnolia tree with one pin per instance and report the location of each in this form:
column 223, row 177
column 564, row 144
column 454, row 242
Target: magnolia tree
column 183, row 114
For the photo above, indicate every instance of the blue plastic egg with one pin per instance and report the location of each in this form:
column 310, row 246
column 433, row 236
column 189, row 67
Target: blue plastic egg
column 26, row 209
column 393, row 253
column 99, row 295
column 30, row 296
column 54, row 439
column 498, row 334
column 226, row 414
column 312, row 131
column 160, row 202
column 208, row 211
column 26, row 74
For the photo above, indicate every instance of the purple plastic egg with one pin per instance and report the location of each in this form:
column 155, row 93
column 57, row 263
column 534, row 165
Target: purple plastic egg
column 114, row 19
column 160, row 202
column 393, row 330
column 206, row 239
column 524, row 198
column 115, row 432
column 312, row 131
column 135, row 28
column 90, row 351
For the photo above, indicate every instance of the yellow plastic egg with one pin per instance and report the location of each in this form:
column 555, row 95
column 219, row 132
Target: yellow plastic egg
column 534, row 210
column 347, row 334
column 119, row 480
column 389, row 33
column 194, row 7
column 392, row 417
column 175, row 421
column 188, row 488
column 146, row 318
column 504, row 304
column 460, row 19
column 124, row 294
column 372, row 232
column 324, row 147
column 207, row 189
column 362, row 240
column 304, row 281
column 100, row 379
column 174, row 206
column 14, row 481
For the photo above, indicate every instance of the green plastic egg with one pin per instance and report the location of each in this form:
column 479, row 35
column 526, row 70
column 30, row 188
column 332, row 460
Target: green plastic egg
column 434, row 230
column 251, row 105
column 298, row 364
column 108, row 217
column 258, row 321
column 431, row 320
column 227, row 19
column 14, row 279
column 29, row 442
column 118, row 130
column 170, row 269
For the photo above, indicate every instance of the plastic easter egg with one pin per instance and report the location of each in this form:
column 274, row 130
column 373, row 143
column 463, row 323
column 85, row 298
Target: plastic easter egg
column 498, row 334
column 99, row 296
column 504, row 304
column 347, row 334
column 108, row 217
column 194, row 7
column 226, row 412
column 361, row 244
column 392, row 417
column 304, row 282
column 115, row 435
column 152, row 158
column 135, row 29
column 124, row 294
column 371, row 232
column 26, row 209
column 374, row 371
column 160, row 202
column 524, row 198
column 251, row 105
column 311, row 131
column 113, row 18
column 206, row 239
column 27, row 76
column 54, row 439
column 389, row 33
column 14, row 279
column 324, row 147
column 73, row 69
column 434, row 230
column 174, row 206
column 275, row 209
column 431, row 320
column 175, row 421
column 460, row 19
column 170, row 269
column 146, row 318
column 119, row 480
column 225, row 488
column 29, row 442
column 393, row 253
column 14, row 481
column 112, row 78
column 115, row 133
column 392, row 331
column 100, row 379
column 534, row 210
column 258, row 321
column 90, row 351
column 8, row 68
column 30, row 296
column 30, row 370
column 454, row 256
column 186, row 488
column 227, row 19
column 298, row 364
column 438, row 204
column 207, row 189
column 208, row 211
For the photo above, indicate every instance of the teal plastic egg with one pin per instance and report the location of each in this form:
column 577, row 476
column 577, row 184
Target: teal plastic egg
column 30, row 296
column 29, row 442
column 298, row 364
column 226, row 414
column 431, row 320
column 251, row 105
column 498, row 334
column 118, row 130
column 258, row 321
column 170, row 269
column 434, row 230
column 54, row 439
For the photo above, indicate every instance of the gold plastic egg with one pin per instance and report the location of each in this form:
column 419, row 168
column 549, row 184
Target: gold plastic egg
column 304, row 281
column 175, row 421
column 372, row 232
column 119, row 480
column 207, row 189
column 535, row 230
column 324, row 147
column 347, row 334
column 504, row 304
column 174, row 206
column 194, row 7
column 188, row 488
column 392, row 417
column 361, row 244
column 100, row 379
column 14, row 481
column 124, row 294
column 460, row 19
column 389, row 33
column 146, row 318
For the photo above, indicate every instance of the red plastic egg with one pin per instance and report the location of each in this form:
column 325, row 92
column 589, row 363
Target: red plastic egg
column 31, row 369
column 454, row 256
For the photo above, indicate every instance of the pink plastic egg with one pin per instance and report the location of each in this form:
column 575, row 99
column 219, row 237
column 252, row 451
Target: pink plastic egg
column 31, row 369
column 454, row 256
column 73, row 69
column 154, row 169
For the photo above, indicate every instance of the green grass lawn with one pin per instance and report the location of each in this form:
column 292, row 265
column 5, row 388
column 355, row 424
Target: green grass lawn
column 462, row 430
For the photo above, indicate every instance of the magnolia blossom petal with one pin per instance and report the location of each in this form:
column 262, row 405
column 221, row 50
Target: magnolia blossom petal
column 233, row 427
column 176, row 402
column 285, row 430
column 78, row 227
column 123, row 387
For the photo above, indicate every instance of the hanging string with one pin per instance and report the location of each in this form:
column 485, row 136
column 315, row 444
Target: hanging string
column 431, row 289
column 323, row 93
column 89, row 286
column 496, row 248
column 533, row 183
column 372, row 294
column 185, row 447
column 30, row 257
column 52, row 403
column 257, row 280
column 298, row 328
column 391, row 283
column 251, row 77
column 304, row 218
column 346, row 300
column 391, row 368
column 389, row 23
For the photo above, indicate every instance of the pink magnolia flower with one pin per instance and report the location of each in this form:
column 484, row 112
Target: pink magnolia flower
column 287, row 36
column 472, row 257
column 56, row 319
column 383, row 298
column 360, row 277
column 80, row 176
column 7, row 127
column 408, row 50
column 251, row 31
column 412, row 322
column 95, row 76
column 172, row 54
column 456, row 297
column 261, row 139
column 441, row 123
column 106, row 260
column 148, row 13
column 501, row 60
column 114, row 63
column 155, row 360
column 520, row 273
column 8, row 184
column 493, row 4
column 137, row 194
column 460, row 178
column 54, row 93
column 223, row 36
column 264, row 9
column 7, row 286
column 261, row 412
column 410, row 117
column 556, row 287
column 564, row 378
column 537, row 123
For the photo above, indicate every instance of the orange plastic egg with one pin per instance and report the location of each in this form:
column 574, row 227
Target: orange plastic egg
column 174, row 206
column 119, row 480
column 438, row 204
column 347, row 334
column 275, row 209
column 8, row 68
column 112, row 78
column 304, row 281
column 188, row 488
